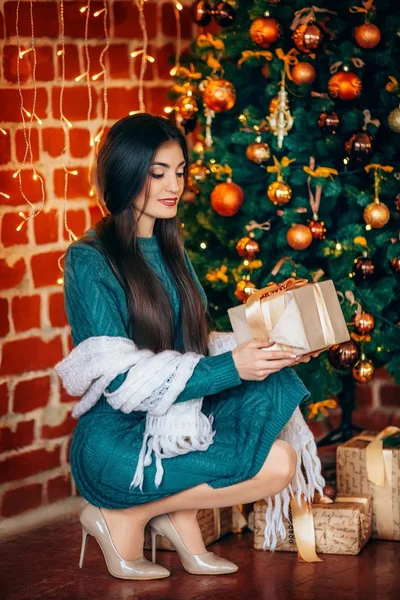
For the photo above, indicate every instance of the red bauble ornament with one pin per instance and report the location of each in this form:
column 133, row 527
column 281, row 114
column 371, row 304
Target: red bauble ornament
column 364, row 268
column 329, row 122
column 247, row 247
column 345, row 85
column 264, row 31
column 307, row 37
column 201, row 13
column 343, row 356
column 224, row 14
column 367, row 35
column 359, row 146
column 318, row 229
column 227, row 199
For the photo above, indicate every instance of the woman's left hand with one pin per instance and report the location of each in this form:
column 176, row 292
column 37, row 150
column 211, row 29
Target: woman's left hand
column 306, row 359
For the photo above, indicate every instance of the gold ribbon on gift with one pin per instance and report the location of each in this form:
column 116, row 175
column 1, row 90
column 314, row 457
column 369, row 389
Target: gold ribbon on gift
column 246, row 54
column 322, row 406
column 303, row 526
column 278, row 166
column 264, row 308
column 374, row 454
column 289, row 60
column 362, row 9
column 357, row 62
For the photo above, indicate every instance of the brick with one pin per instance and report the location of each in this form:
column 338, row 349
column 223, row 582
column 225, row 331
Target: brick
column 10, row 103
column 20, row 144
column 53, row 140
column 75, row 103
column 31, row 394
column 163, row 60
column 50, row 432
column 10, row 185
column 3, row 399
column 78, row 185
column 390, row 395
column 318, row 428
column 64, row 396
column 70, row 343
column 94, row 57
column 4, row 322
column 119, row 60
column 95, row 214
column 371, row 420
column 79, row 140
column 14, row 440
column 76, row 222
column 364, row 395
column 45, row 269
column 58, row 318
column 58, row 488
column 156, row 99
column 5, row 147
column 21, row 499
column 149, row 74
column 75, row 21
column 44, row 63
column 121, row 101
column 30, row 354
column 1, row 26
column 29, row 463
column 383, row 375
column 126, row 20
column 46, row 227
column 45, row 18
column 9, row 234
column 169, row 23
column 10, row 61
column 71, row 61
column 11, row 275
column 25, row 312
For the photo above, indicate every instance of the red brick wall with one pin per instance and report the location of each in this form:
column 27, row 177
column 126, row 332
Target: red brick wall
column 35, row 414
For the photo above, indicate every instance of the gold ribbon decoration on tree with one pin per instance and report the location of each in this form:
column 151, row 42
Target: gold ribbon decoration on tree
column 218, row 274
column 307, row 14
column 322, row 407
column 392, row 85
column 289, row 60
column 246, row 54
column 207, row 40
column 362, row 9
column 278, row 166
column 357, row 62
column 315, row 201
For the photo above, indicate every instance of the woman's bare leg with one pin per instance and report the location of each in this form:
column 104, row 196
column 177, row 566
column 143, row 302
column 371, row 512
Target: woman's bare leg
column 127, row 525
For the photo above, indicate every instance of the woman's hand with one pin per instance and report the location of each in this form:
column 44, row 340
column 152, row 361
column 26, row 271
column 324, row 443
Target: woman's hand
column 306, row 358
column 254, row 362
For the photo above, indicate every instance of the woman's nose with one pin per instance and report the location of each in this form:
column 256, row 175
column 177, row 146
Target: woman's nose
column 173, row 185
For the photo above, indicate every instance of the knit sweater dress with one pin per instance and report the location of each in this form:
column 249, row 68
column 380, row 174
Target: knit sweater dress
column 248, row 415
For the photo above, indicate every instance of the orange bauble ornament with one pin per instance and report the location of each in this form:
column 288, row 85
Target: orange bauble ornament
column 227, row 199
column 299, row 237
column 345, row 85
column 302, row 73
column 376, row 214
column 264, row 31
column 307, row 37
column 364, row 322
column 186, row 107
column 367, row 35
column 258, row 152
column 219, row 95
column 243, row 289
column 363, row 370
column 279, row 192
column 247, row 247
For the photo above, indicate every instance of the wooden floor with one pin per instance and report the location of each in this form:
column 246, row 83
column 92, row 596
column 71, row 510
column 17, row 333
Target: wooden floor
column 44, row 564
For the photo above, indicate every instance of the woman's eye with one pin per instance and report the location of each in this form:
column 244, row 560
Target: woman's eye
column 181, row 174
column 157, row 176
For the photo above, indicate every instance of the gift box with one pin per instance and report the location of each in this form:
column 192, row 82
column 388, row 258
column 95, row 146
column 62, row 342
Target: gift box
column 365, row 465
column 340, row 527
column 298, row 316
column 213, row 522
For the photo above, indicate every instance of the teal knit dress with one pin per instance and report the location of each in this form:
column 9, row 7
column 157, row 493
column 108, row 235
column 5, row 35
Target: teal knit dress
column 248, row 415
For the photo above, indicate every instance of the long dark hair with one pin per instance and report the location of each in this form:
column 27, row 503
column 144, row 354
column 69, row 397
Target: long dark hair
column 122, row 172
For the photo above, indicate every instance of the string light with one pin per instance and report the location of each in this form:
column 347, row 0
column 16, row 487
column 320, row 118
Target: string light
column 3, row 131
column 95, row 77
column 178, row 5
column 146, row 56
column 24, row 217
column 203, row 245
column 142, row 23
column 82, row 10
column 60, row 52
column 68, row 123
column 5, row 195
column 23, row 52
column 30, row 115
column 16, row 173
column 81, row 76
column 98, row 12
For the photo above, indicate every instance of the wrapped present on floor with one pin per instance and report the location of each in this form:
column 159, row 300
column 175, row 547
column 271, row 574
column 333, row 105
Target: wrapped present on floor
column 299, row 316
column 213, row 522
column 370, row 464
column 341, row 526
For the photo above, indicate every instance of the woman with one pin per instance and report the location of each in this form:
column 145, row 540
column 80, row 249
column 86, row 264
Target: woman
column 130, row 281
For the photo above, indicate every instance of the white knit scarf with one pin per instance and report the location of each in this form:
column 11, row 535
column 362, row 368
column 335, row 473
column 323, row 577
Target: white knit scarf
column 153, row 383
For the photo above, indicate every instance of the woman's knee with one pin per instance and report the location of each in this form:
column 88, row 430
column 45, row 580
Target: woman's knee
column 279, row 467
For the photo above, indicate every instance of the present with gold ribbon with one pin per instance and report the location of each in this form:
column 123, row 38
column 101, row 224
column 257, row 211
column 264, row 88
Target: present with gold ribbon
column 339, row 527
column 299, row 316
column 213, row 522
column 370, row 464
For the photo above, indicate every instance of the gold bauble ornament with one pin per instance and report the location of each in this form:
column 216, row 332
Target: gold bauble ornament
column 395, row 264
column 258, row 152
column 219, row 95
column 186, row 106
column 264, row 31
column 363, row 370
column 243, row 290
column 303, row 73
column 318, row 230
column 279, row 192
column 367, row 35
column 364, row 322
column 227, row 199
column 394, row 120
column 299, row 237
column 343, row 356
column 198, row 172
column 376, row 214
column 247, row 247
column 345, row 85
column 307, row 37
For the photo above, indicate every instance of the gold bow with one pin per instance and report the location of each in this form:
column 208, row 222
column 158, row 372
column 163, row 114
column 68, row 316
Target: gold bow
column 321, row 172
column 374, row 454
column 387, row 168
column 392, row 85
column 321, row 406
column 184, row 72
column 361, row 240
column 276, row 288
column 362, row 9
column 207, row 39
column 357, row 62
column 251, row 54
column 288, row 59
column 278, row 166
column 221, row 169
column 218, row 274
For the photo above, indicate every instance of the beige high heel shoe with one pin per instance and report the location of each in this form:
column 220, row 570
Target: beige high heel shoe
column 93, row 523
column 207, row 563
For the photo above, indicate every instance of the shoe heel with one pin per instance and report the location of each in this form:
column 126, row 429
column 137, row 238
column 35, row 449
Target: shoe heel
column 154, row 535
column 83, row 548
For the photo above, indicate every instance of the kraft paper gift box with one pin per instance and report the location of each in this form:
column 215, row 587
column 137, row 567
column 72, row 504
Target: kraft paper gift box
column 365, row 466
column 340, row 527
column 299, row 316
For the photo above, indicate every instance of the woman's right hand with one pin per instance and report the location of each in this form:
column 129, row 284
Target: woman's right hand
column 255, row 364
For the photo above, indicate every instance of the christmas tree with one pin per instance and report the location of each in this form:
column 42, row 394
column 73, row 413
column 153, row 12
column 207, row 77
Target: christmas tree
column 294, row 117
